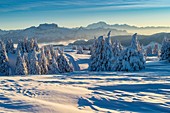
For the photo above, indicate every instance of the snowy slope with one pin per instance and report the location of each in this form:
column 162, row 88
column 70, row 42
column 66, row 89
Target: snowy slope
column 86, row 92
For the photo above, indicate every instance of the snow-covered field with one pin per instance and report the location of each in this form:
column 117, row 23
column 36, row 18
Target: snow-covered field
column 85, row 92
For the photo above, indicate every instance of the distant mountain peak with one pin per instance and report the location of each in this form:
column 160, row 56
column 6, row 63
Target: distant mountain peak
column 47, row 26
column 99, row 24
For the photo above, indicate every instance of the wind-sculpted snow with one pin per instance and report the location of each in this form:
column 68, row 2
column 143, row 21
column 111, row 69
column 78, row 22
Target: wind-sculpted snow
column 85, row 92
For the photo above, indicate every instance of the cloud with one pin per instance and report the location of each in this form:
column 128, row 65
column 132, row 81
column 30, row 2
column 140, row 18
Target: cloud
column 86, row 5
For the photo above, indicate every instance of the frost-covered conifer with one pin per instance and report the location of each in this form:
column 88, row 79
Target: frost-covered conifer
column 4, row 62
column 131, row 59
column 53, row 67
column 34, row 67
column 21, row 68
column 165, row 50
column 117, row 49
column 43, row 63
column 56, row 54
column 52, row 50
column 20, row 47
column 36, row 47
column 30, row 45
column 10, row 46
column 64, row 64
column 149, row 51
column 108, row 54
column 156, row 50
column 26, row 59
column 101, row 58
column 96, row 58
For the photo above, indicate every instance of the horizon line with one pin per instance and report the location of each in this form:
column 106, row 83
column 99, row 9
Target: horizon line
column 62, row 26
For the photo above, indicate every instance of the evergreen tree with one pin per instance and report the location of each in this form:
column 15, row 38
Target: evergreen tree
column 21, row 68
column 35, row 46
column 43, row 63
column 10, row 46
column 4, row 62
column 101, row 58
column 30, row 45
column 108, row 54
column 131, row 59
column 26, row 59
column 34, row 68
column 156, row 50
column 20, row 47
column 165, row 50
column 149, row 51
column 117, row 49
column 63, row 64
column 53, row 68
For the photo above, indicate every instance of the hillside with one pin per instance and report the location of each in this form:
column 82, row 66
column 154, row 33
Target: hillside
column 126, row 39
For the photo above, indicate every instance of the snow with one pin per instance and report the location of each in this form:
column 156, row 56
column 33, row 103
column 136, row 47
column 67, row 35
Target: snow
column 86, row 92
column 83, row 91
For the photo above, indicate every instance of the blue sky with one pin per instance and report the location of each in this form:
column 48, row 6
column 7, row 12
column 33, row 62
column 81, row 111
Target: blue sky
column 18, row 14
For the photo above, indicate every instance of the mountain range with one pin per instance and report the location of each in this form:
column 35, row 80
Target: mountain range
column 54, row 33
column 149, row 30
column 126, row 39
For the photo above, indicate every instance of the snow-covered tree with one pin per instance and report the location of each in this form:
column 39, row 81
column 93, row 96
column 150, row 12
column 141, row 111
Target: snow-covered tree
column 35, row 46
column 34, row 67
column 43, row 63
column 52, row 50
column 131, row 59
column 20, row 47
column 21, row 67
column 108, row 54
column 10, row 46
column 149, row 51
column 79, row 50
column 117, row 49
column 56, row 54
column 4, row 62
column 64, row 64
column 26, row 59
column 53, row 67
column 156, row 50
column 101, row 58
column 165, row 50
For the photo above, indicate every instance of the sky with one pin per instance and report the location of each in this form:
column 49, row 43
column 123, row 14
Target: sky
column 19, row 14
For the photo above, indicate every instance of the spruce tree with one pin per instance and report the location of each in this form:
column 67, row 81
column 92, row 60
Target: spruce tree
column 149, row 51
column 156, row 50
column 53, row 68
column 43, row 63
column 10, row 46
column 35, row 46
column 165, row 50
column 34, row 68
column 131, row 59
column 108, row 54
column 64, row 64
column 21, row 68
column 4, row 62
column 117, row 49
